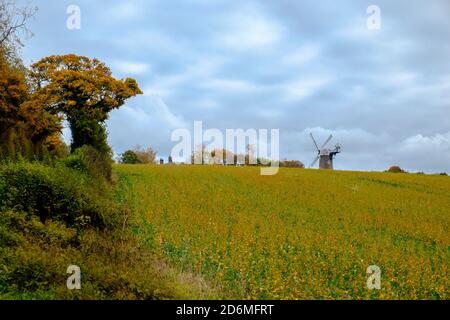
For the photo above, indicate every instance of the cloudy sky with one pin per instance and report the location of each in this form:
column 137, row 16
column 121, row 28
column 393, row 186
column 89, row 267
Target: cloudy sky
column 295, row 65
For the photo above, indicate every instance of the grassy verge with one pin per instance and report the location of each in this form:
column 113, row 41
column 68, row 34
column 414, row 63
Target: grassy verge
column 54, row 217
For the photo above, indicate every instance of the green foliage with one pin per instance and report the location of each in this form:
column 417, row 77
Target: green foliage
column 16, row 145
column 54, row 194
column 34, row 257
column 89, row 160
column 129, row 157
column 53, row 217
column 86, row 131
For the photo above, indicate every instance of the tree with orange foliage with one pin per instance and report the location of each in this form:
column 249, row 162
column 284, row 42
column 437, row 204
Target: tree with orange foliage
column 13, row 92
column 82, row 89
column 24, row 129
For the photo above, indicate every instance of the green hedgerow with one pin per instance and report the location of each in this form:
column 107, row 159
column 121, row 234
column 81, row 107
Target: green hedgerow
column 56, row 193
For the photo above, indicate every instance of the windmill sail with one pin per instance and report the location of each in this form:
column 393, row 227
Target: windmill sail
column 314, row 162
column 326, row 142
column 314, row 140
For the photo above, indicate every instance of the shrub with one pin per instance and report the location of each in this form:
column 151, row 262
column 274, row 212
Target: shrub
column 34, row 258
column 90, row 161
column 292, row 164
column 129, row 157
column 395, row 169
column 56, row 193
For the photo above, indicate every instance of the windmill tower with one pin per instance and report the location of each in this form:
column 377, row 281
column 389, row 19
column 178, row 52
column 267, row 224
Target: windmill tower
column 325, row 156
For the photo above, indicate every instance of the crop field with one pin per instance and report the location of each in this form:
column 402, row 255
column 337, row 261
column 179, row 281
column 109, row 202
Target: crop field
column 301, row 234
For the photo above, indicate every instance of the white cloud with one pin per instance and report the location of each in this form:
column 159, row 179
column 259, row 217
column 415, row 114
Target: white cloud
column 426, row 151
column 250, row 30
column 147, row 121
column 206, row 103
column 199, row 72
column 437, row 142
column 230, row 85
column 438, row 89
column 358, row 147
column 153, row 108
column 397, row 78
column 143, row 40
column 301, row 56
column 163, row 112
column 131, row 68
column 301, row 89
column 362, row 149
column 125, row 10
column 165, row 86
column 423, row 153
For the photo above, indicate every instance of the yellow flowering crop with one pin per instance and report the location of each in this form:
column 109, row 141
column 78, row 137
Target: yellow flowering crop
column 301, row 234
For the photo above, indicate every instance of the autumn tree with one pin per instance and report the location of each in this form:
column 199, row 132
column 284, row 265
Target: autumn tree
column 13, row 92
column 395, row 169
column 146, row 156
column 13, row 86
column 84, row 91
column 292, row 164
column 25, row 128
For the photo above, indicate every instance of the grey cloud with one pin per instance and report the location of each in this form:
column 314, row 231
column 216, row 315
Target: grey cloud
column 292, row 65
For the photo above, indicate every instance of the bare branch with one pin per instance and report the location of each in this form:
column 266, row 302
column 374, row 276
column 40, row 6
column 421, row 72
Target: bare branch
column 13, row 20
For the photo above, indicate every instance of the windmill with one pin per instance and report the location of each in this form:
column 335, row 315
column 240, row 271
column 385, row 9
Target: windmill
column 326, row 156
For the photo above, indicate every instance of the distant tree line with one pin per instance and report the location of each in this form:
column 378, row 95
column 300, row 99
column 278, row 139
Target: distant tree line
column 398, row 169
column 201, row 155
column 138, row 156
